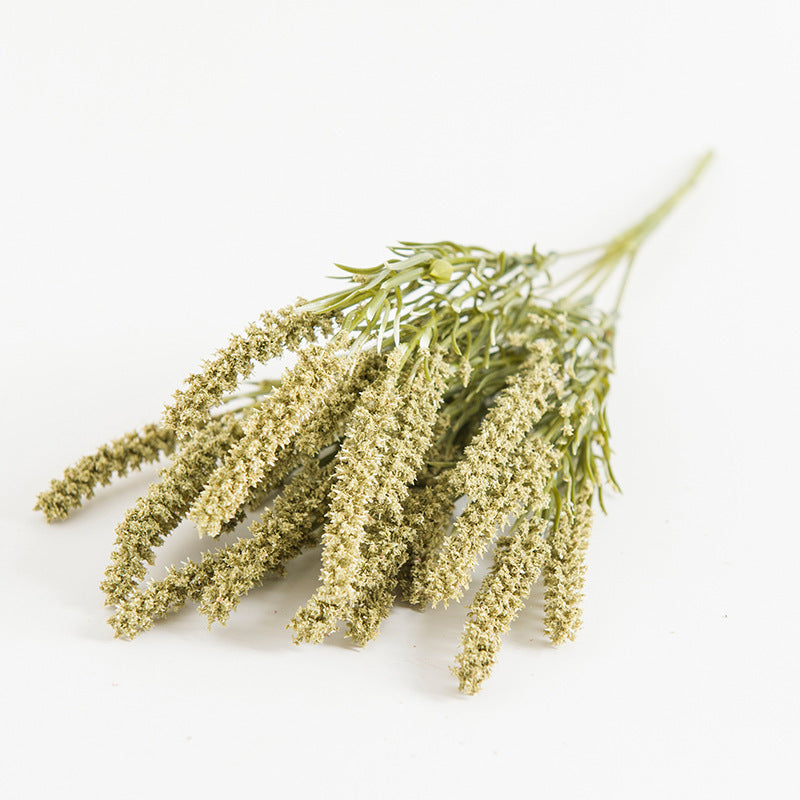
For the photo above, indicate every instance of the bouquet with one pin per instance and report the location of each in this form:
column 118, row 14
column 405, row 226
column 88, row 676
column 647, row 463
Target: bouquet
column 449, row 401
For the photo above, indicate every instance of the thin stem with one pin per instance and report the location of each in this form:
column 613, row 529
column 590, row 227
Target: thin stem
column 639, row 232
column 624, row 284
column 626, row 245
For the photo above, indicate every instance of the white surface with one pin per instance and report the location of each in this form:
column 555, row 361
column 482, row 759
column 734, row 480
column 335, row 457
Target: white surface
column 167, row 170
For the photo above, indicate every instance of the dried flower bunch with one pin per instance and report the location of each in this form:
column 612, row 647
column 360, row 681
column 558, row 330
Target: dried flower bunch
column 445, row 374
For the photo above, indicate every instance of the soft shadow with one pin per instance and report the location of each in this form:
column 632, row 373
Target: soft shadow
column 260, row 621
column 421, row 645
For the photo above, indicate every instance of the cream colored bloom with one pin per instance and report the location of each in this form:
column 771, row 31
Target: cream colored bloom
column 284, row 531
column 391, row 430
column 117, row 458
column 220, row 578
column 324, row 429
column 565, row 569
column 517, row 409
column 523, row 485
column 274, row 334
column 386, row 549
column 268, row 430
column 137, row 612
column 517, row 562
column 159, row 511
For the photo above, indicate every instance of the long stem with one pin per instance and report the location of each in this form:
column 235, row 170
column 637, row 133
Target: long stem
column 625, row 246
column 635, row 235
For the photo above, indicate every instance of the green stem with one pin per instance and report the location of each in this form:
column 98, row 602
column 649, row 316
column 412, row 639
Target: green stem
column 625, row 246
column 635, row 235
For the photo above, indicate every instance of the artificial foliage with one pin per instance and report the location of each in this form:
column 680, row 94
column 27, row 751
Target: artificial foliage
column 445, row 403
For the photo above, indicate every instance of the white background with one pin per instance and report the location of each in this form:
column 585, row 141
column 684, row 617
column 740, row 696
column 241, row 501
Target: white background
column 168, row 170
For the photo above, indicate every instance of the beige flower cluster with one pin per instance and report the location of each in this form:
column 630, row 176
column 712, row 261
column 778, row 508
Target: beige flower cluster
column 366, row 452
column 390, row 432
column 517, row 563
column 268, row 430
column 116, row 458
column 565, row 569
column 159, row 512
column 263, row 341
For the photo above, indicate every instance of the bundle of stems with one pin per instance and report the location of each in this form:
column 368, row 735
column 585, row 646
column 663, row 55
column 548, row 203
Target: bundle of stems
column 447, row 373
